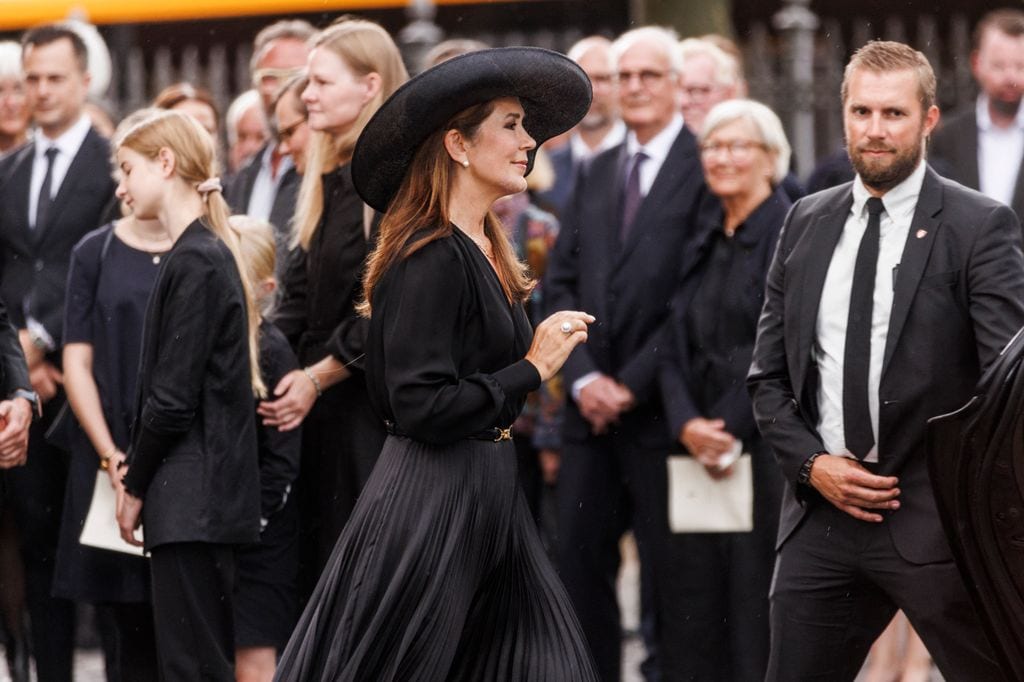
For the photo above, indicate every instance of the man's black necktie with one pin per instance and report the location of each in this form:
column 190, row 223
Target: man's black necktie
column 632, row 197
column 45, row 199
column 857, row 359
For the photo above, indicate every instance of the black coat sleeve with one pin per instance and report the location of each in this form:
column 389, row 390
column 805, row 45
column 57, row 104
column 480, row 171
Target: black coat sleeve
column 776, row 403
column 15, row 371
column 279, row 451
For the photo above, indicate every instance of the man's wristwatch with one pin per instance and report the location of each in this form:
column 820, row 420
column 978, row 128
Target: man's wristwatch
column 33, row 400
column 804, row 475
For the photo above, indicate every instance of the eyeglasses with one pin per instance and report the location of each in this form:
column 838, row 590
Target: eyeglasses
column 648, row 77
column 602, row 78
column 271, row 76
column 737, row 150
column 285, row 134
column 699, row 92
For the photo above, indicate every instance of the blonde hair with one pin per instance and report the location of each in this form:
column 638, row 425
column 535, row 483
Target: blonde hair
column 195, row 162
column 259, row 252
column 885, row 56
column 365, row 48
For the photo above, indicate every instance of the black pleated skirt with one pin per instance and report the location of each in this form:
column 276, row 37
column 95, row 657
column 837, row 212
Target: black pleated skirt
column 439, row 575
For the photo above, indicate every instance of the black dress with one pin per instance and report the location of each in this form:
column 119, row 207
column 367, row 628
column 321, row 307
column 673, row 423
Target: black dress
column 341, row 435
column 439, row 574
column 266, row 588
column 722, row 579
column 108, row 287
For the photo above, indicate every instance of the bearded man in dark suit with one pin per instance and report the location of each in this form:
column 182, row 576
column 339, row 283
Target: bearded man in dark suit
column 886, row 299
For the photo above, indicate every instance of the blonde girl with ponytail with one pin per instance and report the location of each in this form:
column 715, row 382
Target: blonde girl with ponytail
column 266, row 598
column 191, row 476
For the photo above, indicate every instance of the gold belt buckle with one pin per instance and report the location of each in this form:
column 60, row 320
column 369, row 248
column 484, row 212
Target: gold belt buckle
column 503, row 434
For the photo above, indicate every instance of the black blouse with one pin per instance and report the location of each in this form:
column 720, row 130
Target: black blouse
column 444, row 357
column 714, row 319
column 323, row 284
column 193, row 454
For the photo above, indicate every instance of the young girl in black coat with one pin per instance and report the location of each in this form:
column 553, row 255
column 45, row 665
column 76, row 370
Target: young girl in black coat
column 191, row 477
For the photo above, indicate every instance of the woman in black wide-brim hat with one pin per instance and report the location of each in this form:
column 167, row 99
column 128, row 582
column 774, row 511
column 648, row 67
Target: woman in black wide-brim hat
column 440, row 574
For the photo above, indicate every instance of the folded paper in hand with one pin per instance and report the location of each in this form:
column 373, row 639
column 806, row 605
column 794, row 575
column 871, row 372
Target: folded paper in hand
column 698, row 503
column 101, row 529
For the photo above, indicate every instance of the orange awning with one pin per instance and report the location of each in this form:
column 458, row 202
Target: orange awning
column 18, row 14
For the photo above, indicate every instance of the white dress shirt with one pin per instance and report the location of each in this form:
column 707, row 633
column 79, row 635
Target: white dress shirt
column 581, row 152
column 834, row 309
column 67, row 146
column 1000, row 151
column 264, row 188
column 656, row 149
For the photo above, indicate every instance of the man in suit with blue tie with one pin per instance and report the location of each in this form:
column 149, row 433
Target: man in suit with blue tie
column 886, row 299
column 52, row 192
column 618, row 256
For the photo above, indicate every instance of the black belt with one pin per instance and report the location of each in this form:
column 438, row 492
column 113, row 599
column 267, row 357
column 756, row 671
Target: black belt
column 493, row 434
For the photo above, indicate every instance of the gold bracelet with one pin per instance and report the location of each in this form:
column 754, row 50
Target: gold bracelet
column 316, row 382
column 105, row 458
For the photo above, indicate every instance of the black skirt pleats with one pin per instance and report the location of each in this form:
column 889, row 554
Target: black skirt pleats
column 439, row 575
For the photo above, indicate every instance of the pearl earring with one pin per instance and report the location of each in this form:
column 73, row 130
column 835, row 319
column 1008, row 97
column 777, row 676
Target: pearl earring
column 465, row 164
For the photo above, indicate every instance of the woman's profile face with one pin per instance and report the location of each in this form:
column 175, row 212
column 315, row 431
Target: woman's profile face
column 335, row 96
column 497, row 154
column 140, row 183
column 14, row 109
column 736, row 160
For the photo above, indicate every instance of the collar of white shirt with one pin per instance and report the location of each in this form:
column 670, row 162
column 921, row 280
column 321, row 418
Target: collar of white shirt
column 283, row 166
column 657, row 147
column 985, row 123
column 614, row 137
column 899, row 202
column 68, row 143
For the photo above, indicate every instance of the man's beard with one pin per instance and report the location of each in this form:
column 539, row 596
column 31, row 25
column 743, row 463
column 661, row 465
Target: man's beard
column 884, row 177
column 1007, row 108
column 595, row 120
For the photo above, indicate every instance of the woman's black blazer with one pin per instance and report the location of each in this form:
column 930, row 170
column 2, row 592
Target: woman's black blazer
column 193, row 455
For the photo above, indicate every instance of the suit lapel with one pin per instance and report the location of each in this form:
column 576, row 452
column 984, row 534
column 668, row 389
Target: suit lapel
column 921, row 237
column 78, row 170
column 670, row 176
column 614, row 205
column 824, row 236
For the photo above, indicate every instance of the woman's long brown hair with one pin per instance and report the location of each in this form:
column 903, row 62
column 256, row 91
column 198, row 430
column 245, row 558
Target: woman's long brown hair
column 421, row 203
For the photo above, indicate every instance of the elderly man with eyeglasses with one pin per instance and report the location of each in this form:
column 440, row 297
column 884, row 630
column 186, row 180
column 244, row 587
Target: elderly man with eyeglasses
column 266, row 187
column 619, row 252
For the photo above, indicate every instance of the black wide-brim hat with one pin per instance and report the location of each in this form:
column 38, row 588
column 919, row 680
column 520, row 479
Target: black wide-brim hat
column 554, row 91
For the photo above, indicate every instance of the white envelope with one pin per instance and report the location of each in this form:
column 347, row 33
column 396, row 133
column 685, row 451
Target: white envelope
column 101, row 529
column 697, row 503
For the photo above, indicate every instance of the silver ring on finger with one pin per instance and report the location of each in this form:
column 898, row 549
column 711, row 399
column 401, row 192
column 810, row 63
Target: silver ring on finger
column 566, row 328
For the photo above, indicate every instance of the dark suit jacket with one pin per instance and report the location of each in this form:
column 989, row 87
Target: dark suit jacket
column 954, row 153
column 627, row 287
column 34, row 270
column 565, row 167
column 958, row 299
column 239, row 191
column 193, row 455
column 13, row 370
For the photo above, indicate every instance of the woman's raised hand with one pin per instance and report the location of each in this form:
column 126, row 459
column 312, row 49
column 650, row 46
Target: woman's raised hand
column 555, row 338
